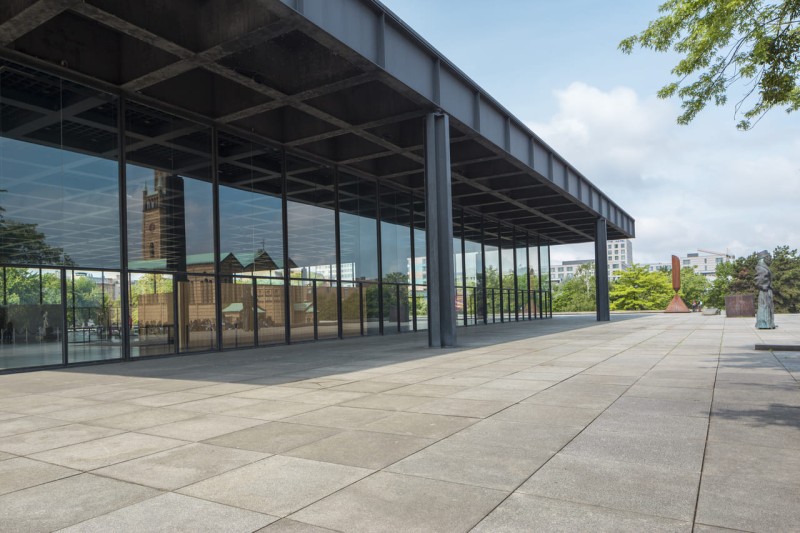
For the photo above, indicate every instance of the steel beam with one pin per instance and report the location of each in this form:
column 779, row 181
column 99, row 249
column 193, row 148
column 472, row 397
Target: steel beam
column 439, row 228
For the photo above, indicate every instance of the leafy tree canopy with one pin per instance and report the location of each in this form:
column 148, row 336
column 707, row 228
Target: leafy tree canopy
column 753, row 43
column 694, row 286
column 639, row 289
column 576, row 293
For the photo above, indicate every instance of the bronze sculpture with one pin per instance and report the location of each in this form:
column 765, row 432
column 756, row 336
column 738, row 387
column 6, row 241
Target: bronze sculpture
column 765, row 317
column 677, row 305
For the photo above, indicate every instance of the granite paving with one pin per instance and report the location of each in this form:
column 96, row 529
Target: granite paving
column 649, row 422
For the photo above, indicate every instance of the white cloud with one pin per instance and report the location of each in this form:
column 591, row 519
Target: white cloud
column 702, row 186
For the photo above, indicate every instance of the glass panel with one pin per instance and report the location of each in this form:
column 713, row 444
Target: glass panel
column 354, row 310
column 544, row 255
column 327, row 312
column 238, row 312
column 359, row 240
column 169, row 193
column 508, row 274
column 372, row 316
column 533, row 258
column 58, row 172
column 93, row 316
column 522, row 279
column 359, row 252
column 32, row 318
column 196, row 313
column 492, row 274
column 270, row 298
column 395, row 259
column 250, row 207
column 420, row 267
column 152, row 312
column 302, row 306
column 474, row 269
column 312, row 248
column 458, row 276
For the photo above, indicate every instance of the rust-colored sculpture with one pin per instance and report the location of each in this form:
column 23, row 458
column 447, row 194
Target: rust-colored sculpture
column 676, row 305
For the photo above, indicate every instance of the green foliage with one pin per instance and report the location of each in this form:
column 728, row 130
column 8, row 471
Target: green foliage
column 738, row 277
column 638, row 289
column 24, row 244
column 694, row 286
column 785, row 269
column 751, row 42
column 576, row 293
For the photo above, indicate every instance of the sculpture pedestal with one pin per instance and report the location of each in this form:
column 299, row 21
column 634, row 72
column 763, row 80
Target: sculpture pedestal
column 677, row 305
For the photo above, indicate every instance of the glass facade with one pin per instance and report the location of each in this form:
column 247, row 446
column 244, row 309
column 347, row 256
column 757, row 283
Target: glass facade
column 130, row 232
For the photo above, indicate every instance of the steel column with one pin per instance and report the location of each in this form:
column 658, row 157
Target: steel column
column 439, row 228
column 601, row 271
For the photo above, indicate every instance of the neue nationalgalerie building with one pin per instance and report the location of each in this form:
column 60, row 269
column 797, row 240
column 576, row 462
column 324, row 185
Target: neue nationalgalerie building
column 180, row 176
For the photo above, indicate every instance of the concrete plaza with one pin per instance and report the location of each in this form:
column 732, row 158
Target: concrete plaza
column 647, row 423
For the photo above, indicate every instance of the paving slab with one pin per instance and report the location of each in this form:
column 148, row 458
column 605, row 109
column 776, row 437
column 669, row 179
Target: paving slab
column 528, row 437
column 26, row 424
column 277, row 485
column 472, row 463
column 66, row 502
column 143, row 418
column 779, row 465
column 387, row 502
column 460, row 407
column 674, row 452
column 202, row 427
column 174, row 512
column 178, row 467
column 523, row 512
column 168, row 399
column 339, row 417
column 273, row 437
column 48, row 439
column 387, row 402
column 20, row 473
column 367, row 449
column 617, row 485
column 107, row 451
column 40, row 404
column 748, row 503
column 286, row 525
column 420, row 424
column 547, row 415
column 271, row 409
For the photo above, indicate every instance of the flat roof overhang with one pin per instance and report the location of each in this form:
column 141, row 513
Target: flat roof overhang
column 340, row 81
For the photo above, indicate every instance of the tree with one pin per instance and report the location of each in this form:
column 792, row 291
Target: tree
column 694, row 286
column 785, row 269
column 738, row 277
column 638, row 289
column 576, row 293
column 753, row 43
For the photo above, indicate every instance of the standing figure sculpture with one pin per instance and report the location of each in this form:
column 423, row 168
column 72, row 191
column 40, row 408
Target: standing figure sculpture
column 765, row 317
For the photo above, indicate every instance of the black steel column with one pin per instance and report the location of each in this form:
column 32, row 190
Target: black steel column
column 338, row 229
column 287, row 289
column 126, row 323
column 379, row 245
column 215, row 231
column 601, row 271
column 439, row 215
column 484, row 305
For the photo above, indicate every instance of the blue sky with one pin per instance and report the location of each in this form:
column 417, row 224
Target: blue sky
column 555, row 65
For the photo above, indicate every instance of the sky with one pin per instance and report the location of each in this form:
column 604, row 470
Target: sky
column 556, row 67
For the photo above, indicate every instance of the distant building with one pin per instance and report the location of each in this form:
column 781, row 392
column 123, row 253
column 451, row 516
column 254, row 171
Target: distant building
column 620, row 257
column 705, row 263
